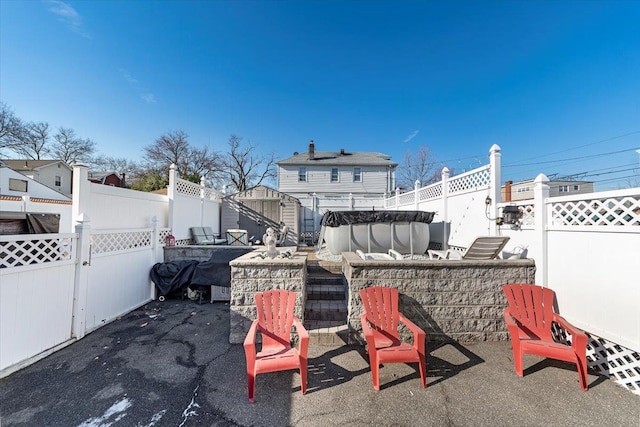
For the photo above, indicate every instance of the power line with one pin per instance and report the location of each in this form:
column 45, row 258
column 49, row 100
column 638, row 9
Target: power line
column 610, row 153
column 590, row 144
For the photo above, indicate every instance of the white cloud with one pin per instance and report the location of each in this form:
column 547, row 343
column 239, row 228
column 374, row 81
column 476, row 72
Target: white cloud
column 69, row 16
column 149, row 98
column 128, row 77
column 145, row 95
column 411, row 136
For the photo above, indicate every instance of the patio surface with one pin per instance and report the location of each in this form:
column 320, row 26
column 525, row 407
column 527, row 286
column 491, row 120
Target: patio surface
column 170, row 364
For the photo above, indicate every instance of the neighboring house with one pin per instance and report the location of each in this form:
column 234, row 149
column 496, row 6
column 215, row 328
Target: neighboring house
column 327, row 181
column 55, row 174
column 25, row 203
column 523, row 190
column 107, row 178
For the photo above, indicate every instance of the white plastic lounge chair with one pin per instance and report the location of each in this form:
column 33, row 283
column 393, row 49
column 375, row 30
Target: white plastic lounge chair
column 481, row 248
column 205, row 236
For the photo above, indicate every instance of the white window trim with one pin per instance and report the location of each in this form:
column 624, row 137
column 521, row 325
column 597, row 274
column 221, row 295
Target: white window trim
column 300, row 169
column 337, row 175
column 359, row 175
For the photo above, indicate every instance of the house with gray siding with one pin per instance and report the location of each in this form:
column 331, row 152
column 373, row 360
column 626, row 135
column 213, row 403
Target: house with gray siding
column 334, row 180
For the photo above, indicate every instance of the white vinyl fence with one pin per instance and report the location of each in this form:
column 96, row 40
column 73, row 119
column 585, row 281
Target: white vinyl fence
column 55, row 288
column 36, row 294
column 191, row 205
column 586, row 248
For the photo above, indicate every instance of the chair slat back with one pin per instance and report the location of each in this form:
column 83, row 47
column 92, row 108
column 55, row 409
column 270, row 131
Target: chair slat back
column 381, row 307
column 531, row 306
column 486, row 247
column 275, row 315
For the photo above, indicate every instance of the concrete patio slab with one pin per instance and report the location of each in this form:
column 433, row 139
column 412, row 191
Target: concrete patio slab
column 170, row 364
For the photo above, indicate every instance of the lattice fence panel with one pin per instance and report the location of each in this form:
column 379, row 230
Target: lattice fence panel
column 612, row 360
column 210, row 194
column 406, row 198
column 528, row 214
column 618, row 363
column 431, row 192
column 188, row 188
column 620, row 211
column 163, row 233
column 470, row 182
column 120, row 241
column 29, row 252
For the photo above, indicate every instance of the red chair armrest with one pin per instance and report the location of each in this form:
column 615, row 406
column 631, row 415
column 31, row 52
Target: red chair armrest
column 303, row 334
column 578, row 337
column 419, row 336
column 250, row 339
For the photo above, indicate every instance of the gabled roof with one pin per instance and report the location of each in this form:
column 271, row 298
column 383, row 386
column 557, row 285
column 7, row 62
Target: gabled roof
column 32, row 165
column 101, row 175
column 341, row 158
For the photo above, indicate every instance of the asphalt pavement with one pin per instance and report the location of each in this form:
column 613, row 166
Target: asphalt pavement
column 170, row 364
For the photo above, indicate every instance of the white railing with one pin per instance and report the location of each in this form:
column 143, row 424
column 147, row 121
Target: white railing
column 460, row 203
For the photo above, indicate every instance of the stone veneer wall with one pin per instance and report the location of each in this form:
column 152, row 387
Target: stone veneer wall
column 449, row 299
column 250, row 274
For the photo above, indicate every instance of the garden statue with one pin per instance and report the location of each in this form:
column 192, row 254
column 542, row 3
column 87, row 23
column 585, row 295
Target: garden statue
column 269, row 240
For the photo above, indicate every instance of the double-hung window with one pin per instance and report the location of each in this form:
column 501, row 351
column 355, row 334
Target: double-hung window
column 302, row 175
column 334, row 174
column 357, row 174
column 57, row 181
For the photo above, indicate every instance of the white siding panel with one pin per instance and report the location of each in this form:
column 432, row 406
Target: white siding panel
column 374, row 180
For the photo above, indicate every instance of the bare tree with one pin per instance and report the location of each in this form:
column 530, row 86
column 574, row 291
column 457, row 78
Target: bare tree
column 71, row 148
column 174, row 148
column 128, row 170
column 243, row 167
column 10, row 128
column 33, row 141
column 418, row 166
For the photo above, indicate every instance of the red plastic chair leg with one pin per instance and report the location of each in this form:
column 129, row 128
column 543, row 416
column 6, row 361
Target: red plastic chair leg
column 422, row 365
column 251, row 386
column 582, row 372
column 303, row 376
column 517, row 359
column 375, row 376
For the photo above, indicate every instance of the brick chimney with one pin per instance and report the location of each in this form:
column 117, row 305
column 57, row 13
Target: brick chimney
column 507, row 191
column 312, row 149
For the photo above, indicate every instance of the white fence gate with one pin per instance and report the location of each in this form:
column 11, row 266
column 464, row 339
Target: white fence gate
column 36, row 295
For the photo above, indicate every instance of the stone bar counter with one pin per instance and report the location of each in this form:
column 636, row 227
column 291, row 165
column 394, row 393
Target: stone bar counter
column 450, row 299
column 255, row 272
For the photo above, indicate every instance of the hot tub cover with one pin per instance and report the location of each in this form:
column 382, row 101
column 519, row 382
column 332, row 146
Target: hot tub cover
column 338, row 218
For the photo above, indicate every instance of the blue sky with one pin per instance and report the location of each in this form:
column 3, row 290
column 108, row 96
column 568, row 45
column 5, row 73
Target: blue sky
column 556, row 84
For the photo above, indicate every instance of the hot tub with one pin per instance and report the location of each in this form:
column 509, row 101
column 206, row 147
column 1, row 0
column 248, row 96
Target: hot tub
column 376, row 231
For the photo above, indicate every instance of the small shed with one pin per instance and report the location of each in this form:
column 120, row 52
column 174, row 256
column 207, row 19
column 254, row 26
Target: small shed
column 261, row 207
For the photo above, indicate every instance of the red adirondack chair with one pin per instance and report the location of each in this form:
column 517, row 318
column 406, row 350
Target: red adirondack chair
column 275, row 318
column 529, row 318
column 380, row 322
